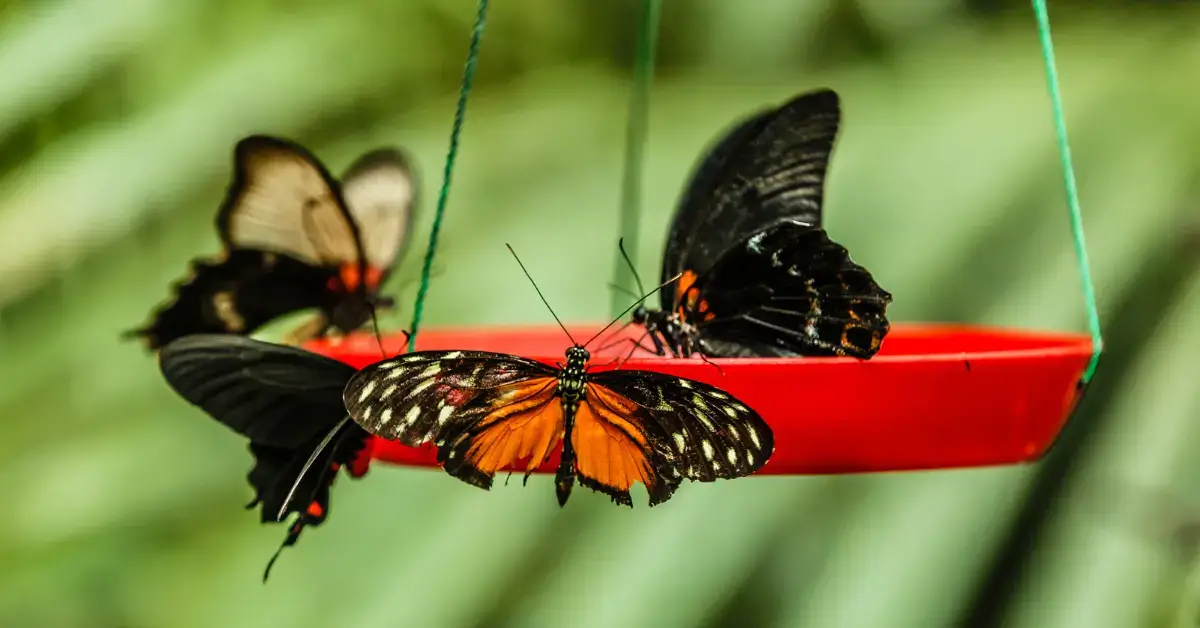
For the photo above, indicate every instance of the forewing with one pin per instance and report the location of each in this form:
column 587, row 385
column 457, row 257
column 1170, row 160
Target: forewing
column 788, row 291
column 275, row 395
column 283, row 200
column 481, row 409
column 380, row 191
column 694, row 430
column 769, row 167
column 236, row 295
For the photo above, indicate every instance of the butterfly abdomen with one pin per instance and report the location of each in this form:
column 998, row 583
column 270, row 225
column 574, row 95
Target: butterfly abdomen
column 572, row 387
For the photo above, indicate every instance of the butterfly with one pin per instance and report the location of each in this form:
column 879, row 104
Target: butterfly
column 288, row 402
column 760, row 277
column 488, row 411
column 295, row 238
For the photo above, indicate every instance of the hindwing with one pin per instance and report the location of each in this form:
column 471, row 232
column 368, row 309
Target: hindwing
column 691, row 430
column 788, row 290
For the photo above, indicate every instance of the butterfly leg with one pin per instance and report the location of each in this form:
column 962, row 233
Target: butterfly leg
column 637, row 344
column 316, row 327
column 658, row 348
column 712, row 364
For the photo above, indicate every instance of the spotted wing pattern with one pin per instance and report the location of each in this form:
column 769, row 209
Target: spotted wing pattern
column 692, row 430
column 483, row 410
column 488, row 411
column 788, row 290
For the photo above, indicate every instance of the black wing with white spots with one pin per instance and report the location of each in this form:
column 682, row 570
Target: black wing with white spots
column 418, row 396
column 697, row 431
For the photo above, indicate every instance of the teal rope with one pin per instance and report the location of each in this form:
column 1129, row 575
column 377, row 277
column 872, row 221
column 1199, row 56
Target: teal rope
column 459, row 114
column 635, row 143
column 1060, row 128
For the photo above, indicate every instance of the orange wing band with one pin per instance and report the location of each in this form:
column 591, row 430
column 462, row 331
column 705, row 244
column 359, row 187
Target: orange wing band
column 609, row 443
column 527, row 427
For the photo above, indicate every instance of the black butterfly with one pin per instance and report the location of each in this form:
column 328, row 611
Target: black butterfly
column 288, row 402
column 490, row 411
column 760, row 277
column 295, row 238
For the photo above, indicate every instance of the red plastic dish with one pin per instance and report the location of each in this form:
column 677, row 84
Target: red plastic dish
column 935, row 397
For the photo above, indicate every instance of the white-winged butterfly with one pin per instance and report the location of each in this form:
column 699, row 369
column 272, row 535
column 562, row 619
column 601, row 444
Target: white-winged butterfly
column 760, row 276
column 294, row 238
column 288, row 402
column 489, row 411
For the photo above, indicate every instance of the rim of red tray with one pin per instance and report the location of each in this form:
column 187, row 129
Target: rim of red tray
column 1042, row 344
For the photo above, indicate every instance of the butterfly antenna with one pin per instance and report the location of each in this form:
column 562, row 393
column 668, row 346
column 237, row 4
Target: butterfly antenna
column 375, row 328
column 635, row 304
column 539, row 293
column 622, row 289
column 307, row 465
column 625, row 256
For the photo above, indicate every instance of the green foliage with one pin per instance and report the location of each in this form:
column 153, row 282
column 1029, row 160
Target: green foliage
column 116, row 126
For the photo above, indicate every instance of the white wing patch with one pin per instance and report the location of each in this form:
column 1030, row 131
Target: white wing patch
column 379, row 191
column 285, row 203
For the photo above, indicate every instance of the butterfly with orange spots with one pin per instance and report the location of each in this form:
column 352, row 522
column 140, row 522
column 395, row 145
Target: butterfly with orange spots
column 491, row 411
column 760, row 275
column 294, row 238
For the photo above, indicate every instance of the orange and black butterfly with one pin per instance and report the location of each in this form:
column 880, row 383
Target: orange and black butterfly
column 294, row 238
column 760, row 276
column 288, row 403
column 489, row 411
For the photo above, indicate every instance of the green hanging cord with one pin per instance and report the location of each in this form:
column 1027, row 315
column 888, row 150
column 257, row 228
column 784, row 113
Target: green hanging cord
column 635, row 143
column 1060, row 127
column 459, row 114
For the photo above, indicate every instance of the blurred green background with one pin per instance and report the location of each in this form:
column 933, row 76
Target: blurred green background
column 121, row 503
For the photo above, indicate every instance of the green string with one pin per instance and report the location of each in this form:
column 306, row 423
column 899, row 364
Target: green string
column 1060, row 128
column 459, row 114
column 635, row 143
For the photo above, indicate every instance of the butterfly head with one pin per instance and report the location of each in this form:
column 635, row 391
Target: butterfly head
column 577, row 359
column 640, row 315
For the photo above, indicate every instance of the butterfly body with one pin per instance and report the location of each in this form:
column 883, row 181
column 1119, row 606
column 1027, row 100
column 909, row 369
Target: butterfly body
column 572, row 388
column 759, row 274
column 294, row 238
column 487, row 412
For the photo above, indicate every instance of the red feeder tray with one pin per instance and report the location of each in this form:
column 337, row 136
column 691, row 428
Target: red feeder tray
column 935, row 396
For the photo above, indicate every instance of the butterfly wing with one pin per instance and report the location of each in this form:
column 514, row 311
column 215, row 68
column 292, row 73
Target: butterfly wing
column 787, row 291
column 380, row 191
column 290, row 244
column 659, row 429
column 236, row 295
column 283, row 200
column 285, row 400
column 273, row 394
column 770, row 167
column 483, row 410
